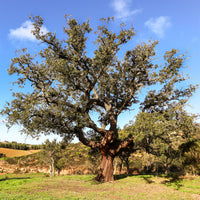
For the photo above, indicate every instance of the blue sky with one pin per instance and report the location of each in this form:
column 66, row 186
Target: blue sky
column 175, row 23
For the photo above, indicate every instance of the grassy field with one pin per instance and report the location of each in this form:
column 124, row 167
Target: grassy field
column 39, row 186
column 16, row 153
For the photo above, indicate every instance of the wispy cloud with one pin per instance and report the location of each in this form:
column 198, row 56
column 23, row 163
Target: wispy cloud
column 24, row 32
column 123, row 9
column 158, row 25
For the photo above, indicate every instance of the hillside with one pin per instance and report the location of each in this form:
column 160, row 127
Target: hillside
column 75, row 157
column 16, row 153
column 79, row 159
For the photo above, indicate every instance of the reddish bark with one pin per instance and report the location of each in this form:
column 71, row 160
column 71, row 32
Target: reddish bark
column 105, row 173
column 109, row 147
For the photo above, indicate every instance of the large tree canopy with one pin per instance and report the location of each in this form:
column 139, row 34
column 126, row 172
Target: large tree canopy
column 69, row 87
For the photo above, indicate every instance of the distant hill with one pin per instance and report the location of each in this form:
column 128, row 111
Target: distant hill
column 16, row 153
column 75, row 157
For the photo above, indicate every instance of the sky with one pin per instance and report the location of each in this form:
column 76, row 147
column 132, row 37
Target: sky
column 174, row 23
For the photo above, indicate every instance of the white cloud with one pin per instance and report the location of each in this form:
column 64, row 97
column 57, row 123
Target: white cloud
column 158, row 25
column 24, row 32
column 123, row 9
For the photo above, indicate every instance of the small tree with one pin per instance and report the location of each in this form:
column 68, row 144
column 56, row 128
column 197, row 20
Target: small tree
column 69, row 85
column 60, row 164
column 52, row 154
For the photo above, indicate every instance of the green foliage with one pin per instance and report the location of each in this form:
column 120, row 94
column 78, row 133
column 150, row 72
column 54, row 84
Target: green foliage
column 93, row 160
column 19, row 146
column 170, row 135
column 53, row 155
column 192, row 157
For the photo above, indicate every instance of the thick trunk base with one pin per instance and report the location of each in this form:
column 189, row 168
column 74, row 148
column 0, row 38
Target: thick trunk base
column 105, row 173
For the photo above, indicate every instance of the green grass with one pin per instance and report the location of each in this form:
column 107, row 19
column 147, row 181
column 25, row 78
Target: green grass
column 80, row 187
column 190, row 185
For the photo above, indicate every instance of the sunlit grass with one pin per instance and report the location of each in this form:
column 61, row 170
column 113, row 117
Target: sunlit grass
column 40, row 186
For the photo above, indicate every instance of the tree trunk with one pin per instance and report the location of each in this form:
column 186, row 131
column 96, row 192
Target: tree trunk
column 53, row 166
column 120, row 168
column 127, row 166
column 50, row 169
column 115, row 167
column 105, row 173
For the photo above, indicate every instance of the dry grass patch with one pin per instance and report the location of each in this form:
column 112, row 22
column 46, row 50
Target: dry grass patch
column 16, row 153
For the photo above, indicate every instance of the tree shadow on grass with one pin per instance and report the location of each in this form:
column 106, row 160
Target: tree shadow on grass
column 147, row 178
column 174, row 181
column 121, row 176
column 14, row 178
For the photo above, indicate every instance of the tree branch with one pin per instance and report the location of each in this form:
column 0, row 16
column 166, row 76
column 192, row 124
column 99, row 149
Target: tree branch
column 79, row 133
column 126, row 144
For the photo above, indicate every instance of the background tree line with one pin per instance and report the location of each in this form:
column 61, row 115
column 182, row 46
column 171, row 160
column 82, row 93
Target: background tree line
column 19, row 146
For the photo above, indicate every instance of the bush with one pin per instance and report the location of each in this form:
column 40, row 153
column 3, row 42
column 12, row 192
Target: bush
column 2, row 155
